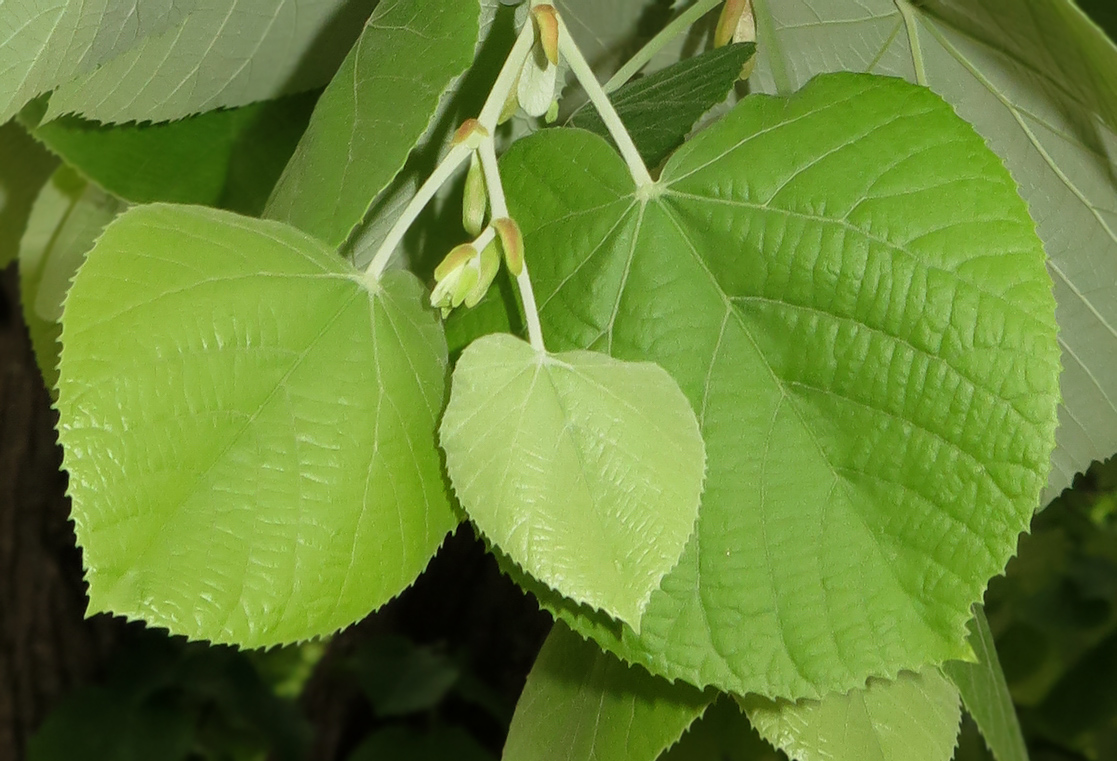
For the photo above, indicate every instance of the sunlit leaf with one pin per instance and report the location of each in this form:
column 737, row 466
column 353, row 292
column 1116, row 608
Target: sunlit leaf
column 1039, row 82
column 249, row 428
column 850, row 292
column 586, row 471
column 914, row 718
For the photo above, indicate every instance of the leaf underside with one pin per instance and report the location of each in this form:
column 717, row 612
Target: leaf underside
column 249, row 428
column 850, row 292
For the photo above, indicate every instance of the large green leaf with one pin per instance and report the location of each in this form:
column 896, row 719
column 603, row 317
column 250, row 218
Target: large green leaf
column 1039, row 83
column 985, row 693
column 580, row 704
column 222, row 53
column 586, row 471
column 44, row 43
column 249, row 428
column 68, row 217
column 914, row 718
column 851, row 293
column 230, row 158
column 659, row 110
column 24, row 168
column 373, row 113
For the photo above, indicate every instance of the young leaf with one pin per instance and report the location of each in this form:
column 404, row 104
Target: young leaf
column 985, row 693
column 1039, row 82
column 65, row 222
column 220, row 54
column 373, row 113
column 24, row 168
column 660, row 109
column 47, row 42
column 851, row 293
column 914, row 718
column 230, row 158
column 248, row 424
column 586, row 471
column 580, row 704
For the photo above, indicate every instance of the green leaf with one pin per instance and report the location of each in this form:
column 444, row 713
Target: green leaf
column 220, row 54
column 586, row 471
column 230, row 158
column 47, row 42
column 248, row 424
column 1039, row 82
column 914, row 718
column 985, row 693
column 68, row 217
column 373, row 113
column 399, row 678
column 660, row 109
column 850, row 292
column 24, row 168
column 581, row 704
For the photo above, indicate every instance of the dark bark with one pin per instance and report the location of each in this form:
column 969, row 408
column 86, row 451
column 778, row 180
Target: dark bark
column 46, row 646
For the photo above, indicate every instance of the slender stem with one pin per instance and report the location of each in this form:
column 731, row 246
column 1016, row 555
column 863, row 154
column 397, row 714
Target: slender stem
column 445, row 170
column 500, row 209
column 490, row 112
column 605, row 109
column 913, row 39
column 677, row 26
column 509, row 75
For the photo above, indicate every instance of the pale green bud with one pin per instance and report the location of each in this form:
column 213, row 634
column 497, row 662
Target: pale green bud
column 475, row 201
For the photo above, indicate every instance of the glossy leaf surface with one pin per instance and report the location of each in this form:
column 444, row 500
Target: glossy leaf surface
column 586, row 471
column 249, row 427
column 914, row 718
column 373, row 113
column 222, row 53
column 580, row 704
column 851, row 294
column 1039, row 82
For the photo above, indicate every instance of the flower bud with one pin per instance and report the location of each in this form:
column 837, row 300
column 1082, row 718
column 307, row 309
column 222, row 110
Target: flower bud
column 547, row 31
column 475, row 200
column 736, row 23
column 471, row 133
column 487, row 267
column 512, row 242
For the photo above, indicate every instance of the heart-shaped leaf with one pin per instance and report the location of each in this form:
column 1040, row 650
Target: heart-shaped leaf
column 586, row 471
column 851, row 293
column 249, row 426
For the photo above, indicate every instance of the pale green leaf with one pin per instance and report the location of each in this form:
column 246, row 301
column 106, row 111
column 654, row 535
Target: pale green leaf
column 580, row 704
column 223, row 53
column 985, row 693
column 586, row 471
column 24, row 168
column 68, row 217
column 850, row 292
column 373, row 113
column 229, row 158
column 249, row 428
column 914, row 718
column 1039, row 83
column 659, row 110
column 44, row 43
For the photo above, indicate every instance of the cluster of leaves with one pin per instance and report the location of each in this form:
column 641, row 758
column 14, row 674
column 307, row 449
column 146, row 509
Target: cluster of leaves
column 790, row 396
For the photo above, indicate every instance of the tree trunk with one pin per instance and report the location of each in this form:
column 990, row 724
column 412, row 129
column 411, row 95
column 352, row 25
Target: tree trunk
column 46, row 646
